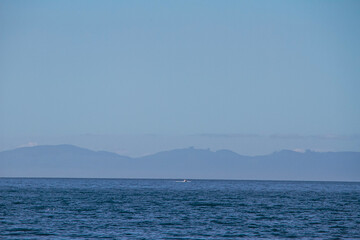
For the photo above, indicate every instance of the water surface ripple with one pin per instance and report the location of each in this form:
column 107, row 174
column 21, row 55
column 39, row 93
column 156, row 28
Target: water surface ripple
column 166, row 209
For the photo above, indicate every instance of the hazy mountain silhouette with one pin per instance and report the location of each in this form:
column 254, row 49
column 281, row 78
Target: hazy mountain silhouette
column 72, row 161
column 59, row 161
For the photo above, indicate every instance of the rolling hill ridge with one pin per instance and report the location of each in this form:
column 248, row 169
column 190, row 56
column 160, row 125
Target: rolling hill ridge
column 72, row 161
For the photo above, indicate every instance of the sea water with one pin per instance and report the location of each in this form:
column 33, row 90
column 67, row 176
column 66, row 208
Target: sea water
column 166, row 209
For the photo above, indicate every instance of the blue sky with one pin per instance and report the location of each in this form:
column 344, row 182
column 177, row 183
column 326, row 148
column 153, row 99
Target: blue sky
column 179, row 67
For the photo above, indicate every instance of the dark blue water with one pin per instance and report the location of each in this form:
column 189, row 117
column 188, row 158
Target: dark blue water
column 165, row 209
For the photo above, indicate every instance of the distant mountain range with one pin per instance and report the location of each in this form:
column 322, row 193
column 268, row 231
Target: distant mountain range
column 72, row 161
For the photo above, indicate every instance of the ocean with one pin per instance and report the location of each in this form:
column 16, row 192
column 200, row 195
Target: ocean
column 166, row 209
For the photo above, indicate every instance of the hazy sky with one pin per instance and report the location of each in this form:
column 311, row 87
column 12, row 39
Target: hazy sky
column 179, row 67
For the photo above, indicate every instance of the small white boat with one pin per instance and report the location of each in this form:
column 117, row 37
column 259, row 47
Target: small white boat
column 184, row 181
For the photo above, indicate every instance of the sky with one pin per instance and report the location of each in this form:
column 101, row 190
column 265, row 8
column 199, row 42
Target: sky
column 179, row 68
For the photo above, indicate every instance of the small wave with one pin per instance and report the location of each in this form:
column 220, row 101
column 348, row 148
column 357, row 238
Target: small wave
column 22, row 230
column 207, row 204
